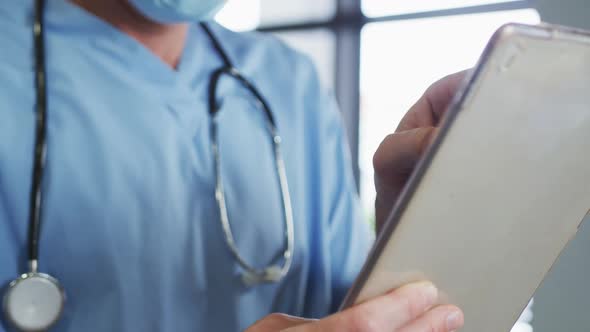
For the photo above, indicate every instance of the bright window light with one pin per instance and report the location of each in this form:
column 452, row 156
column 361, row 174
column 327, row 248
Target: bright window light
column 244, row 15
column 525, row 320
column 240, row 15
column 289, row 12
column 400, row 59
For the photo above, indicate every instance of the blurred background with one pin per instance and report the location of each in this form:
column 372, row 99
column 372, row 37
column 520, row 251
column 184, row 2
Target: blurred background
column 378, row 57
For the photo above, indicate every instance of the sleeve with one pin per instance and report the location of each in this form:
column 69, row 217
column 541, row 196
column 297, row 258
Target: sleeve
column 348, row 236
column 325, row 198
column 349, row 232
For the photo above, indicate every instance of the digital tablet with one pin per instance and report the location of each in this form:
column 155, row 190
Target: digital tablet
column 504, row 186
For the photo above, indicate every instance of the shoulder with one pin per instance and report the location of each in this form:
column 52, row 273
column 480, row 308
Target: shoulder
column 287, row 79
column 263, row 56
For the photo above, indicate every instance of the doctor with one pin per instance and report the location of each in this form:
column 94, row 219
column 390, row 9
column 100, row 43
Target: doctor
column 157, row 174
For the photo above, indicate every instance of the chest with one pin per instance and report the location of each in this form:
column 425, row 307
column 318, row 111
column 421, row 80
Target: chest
column 131, row 176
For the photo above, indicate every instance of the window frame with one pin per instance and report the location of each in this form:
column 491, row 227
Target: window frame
column 347, row 25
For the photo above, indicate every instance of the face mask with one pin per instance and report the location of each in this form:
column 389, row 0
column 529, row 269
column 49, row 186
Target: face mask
column 178, row 11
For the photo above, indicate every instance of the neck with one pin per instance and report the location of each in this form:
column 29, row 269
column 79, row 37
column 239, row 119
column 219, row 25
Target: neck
column 166, row 41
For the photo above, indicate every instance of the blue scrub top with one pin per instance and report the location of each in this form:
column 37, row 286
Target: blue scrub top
column 130, row 223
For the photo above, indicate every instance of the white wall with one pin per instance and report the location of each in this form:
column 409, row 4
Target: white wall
column 563, row 301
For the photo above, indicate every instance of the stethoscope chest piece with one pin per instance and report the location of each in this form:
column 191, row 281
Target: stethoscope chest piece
column 34, row 302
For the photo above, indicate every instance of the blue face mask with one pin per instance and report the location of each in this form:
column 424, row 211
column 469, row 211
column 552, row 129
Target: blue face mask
column 178, row 11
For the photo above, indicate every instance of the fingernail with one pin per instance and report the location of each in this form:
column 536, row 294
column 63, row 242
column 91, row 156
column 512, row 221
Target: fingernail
column 454, row 320
column 429, row 293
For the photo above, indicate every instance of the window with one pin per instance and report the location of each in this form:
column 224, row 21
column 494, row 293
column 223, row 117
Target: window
column 240, row 15
column 318, row 43
column 291, row 12
column 244, row 15
column 417, row 53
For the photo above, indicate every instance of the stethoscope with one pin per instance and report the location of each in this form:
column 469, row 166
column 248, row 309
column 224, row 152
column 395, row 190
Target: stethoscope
column 35, row 301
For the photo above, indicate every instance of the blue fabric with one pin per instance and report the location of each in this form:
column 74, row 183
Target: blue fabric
column 131, row 227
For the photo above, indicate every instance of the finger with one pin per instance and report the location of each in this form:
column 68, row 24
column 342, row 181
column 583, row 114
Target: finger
column 277, row 322
column 385, row 313
column 393, row 162
column 399, row 152
column 439, row 319
column 428, row 110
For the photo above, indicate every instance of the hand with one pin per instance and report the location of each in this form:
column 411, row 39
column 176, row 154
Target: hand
column 407, row 309
column 399, row 152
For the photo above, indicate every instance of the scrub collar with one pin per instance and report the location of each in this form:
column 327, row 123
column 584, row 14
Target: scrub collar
column 69, row 20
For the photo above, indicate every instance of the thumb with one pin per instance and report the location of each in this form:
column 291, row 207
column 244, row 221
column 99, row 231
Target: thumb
column 277, row 322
